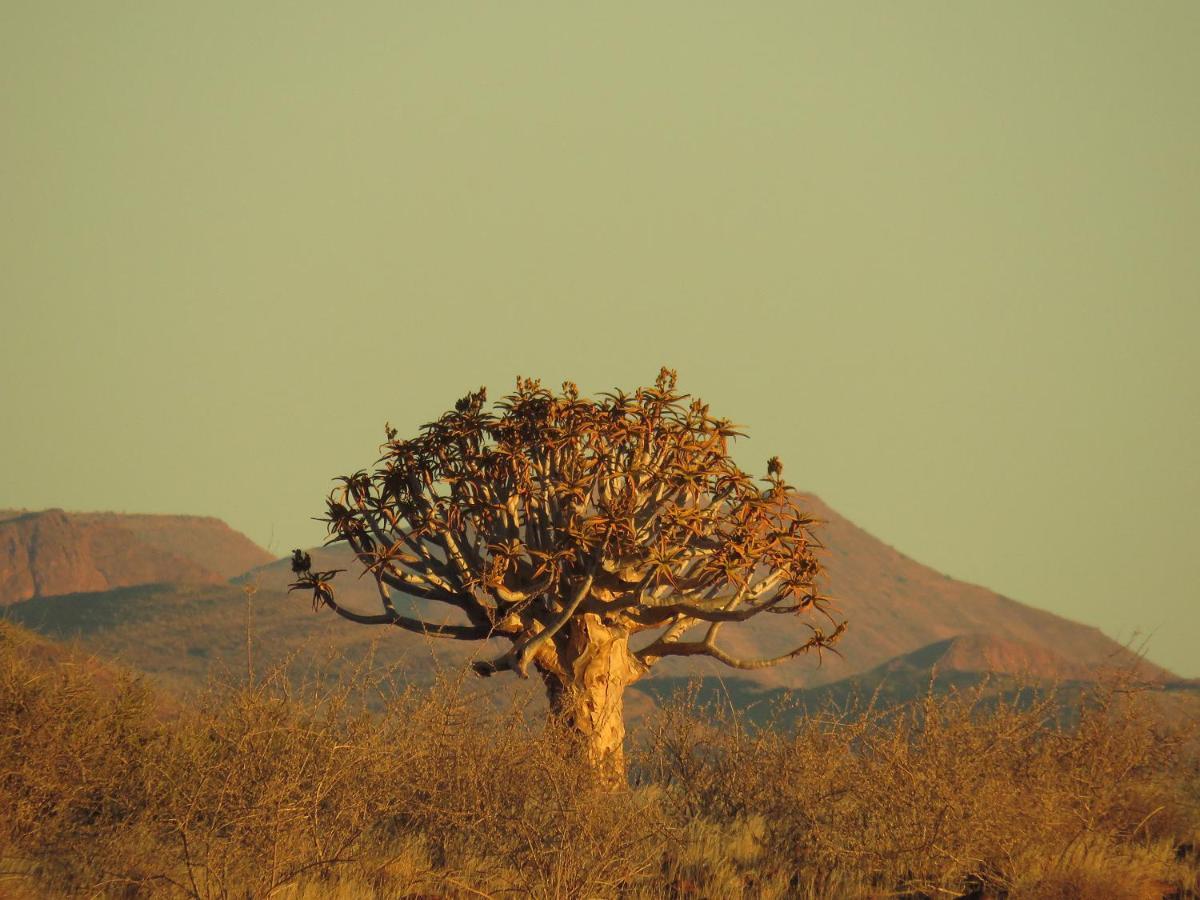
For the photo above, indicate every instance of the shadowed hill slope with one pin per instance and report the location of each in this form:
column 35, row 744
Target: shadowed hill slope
column 45, row 658
column 185, row 635
column 999, row 667
column 182, row 634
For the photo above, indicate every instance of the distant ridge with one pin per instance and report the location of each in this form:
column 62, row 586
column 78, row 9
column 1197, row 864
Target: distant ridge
column 78, row 576
column 52, row 552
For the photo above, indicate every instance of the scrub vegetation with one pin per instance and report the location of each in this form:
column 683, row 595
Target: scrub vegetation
column 371, row 789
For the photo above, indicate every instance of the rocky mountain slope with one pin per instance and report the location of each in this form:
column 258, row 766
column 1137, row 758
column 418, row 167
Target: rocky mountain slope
column 51, row 553
column 896, row 605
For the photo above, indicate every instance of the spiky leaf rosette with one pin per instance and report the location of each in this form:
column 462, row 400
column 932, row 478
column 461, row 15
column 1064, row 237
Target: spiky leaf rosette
column 551, row 505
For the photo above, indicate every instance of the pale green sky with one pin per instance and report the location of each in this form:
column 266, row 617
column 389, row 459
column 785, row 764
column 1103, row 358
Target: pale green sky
column 941, row 257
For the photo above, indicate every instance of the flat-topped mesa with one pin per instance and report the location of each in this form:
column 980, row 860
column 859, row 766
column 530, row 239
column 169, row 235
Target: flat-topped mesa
column 51, row 552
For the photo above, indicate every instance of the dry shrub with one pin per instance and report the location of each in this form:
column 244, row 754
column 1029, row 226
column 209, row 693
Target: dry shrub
column 954, row 794
column 270, row 790
column 279, row 791
column 72, row 749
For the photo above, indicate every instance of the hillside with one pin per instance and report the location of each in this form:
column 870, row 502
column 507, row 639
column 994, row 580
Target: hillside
column 900, row 613
column 34, row 654
column 52, row 553
column 966, row 661
column 895, row 605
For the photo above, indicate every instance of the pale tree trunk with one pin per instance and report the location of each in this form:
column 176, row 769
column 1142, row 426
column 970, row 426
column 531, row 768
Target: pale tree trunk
column 586, row 690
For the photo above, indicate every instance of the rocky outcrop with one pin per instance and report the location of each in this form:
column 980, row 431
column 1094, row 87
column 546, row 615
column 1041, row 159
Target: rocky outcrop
column 51, row 553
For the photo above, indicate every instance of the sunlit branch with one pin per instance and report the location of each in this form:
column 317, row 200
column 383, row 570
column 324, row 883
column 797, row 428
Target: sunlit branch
column 818, row 642
column 518, row 657
column 323, row 596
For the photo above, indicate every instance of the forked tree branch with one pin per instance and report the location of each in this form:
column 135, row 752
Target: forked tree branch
column 322, row 592
column 518, row 657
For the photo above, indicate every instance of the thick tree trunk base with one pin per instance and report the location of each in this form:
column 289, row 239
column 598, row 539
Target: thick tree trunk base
column 587, row 689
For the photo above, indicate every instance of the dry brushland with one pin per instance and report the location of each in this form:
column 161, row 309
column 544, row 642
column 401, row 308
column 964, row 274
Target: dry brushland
column 271, row 790
column 584, row 541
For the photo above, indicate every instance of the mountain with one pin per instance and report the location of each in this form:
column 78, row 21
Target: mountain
column 51, row 553
column 894, row 606
column 902, row 614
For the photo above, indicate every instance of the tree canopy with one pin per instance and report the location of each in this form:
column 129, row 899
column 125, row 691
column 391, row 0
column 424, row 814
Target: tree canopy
column 551, row 519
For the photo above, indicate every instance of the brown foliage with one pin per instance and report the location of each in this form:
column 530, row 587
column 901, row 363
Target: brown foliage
column 628, row 507
column 567, row 524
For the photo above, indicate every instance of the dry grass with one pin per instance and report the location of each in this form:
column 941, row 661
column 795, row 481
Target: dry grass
column 275, row 791
column 949, row 795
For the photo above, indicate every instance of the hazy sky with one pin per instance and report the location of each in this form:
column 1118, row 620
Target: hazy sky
column 943, row 258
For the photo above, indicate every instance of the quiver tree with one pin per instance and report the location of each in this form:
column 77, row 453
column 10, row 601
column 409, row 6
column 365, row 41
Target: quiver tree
column 598, row 536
